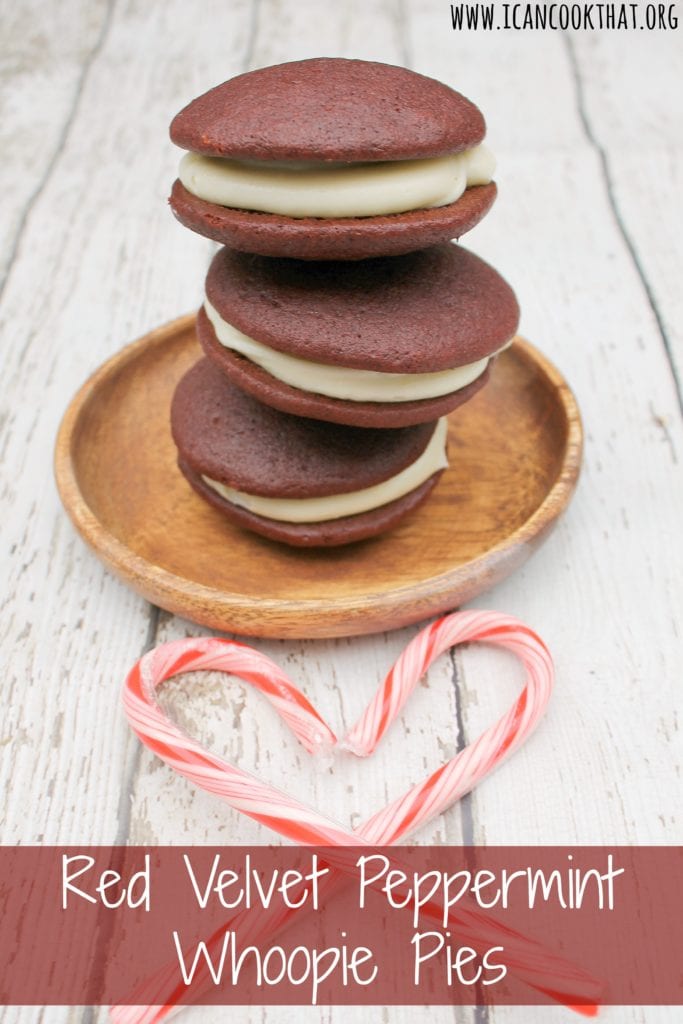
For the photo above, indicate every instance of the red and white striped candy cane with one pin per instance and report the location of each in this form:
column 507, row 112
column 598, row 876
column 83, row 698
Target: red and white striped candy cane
column 304, row 825
column 459, row 775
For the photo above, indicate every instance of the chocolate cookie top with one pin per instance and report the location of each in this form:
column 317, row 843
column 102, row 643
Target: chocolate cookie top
column 426, row 311
column 329, row 108
column 225, row 434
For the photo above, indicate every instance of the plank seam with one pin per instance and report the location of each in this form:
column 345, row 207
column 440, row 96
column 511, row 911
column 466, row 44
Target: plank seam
column 125, row 798
column 480, row 1012
column 617, row 215
column 125, row 803
column 467, row 815
column 61, row 143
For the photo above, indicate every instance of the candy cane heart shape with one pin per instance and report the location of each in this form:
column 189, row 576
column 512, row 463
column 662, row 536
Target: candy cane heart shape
column 305, row 826
column 292, row 818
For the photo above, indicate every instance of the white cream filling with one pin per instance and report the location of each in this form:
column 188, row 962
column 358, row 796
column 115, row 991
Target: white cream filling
column 343, row 381
column 335, row 506
column 336, row 190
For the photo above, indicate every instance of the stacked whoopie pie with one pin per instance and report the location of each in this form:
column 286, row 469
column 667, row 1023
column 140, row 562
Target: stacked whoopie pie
column 340, row 323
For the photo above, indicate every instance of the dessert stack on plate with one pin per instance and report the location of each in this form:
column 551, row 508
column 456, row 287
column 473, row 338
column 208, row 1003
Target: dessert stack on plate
column 340, row 324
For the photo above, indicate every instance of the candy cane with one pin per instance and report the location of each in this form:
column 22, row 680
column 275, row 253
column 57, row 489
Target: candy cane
column 305, row 826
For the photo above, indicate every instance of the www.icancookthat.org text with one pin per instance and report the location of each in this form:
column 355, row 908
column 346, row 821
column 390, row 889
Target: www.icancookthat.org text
column 561, row 16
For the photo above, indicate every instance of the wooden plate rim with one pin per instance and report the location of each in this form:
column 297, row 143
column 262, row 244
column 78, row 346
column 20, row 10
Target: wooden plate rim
column 425, row 597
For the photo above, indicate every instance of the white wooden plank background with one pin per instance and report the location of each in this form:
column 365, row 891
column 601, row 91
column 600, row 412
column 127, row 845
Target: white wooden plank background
column 587, row 127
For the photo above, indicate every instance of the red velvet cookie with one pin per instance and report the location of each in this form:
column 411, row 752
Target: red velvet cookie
column 329, row 111
column 329, row 108
column 351, row 238
column 402, row 318
column 226, row 439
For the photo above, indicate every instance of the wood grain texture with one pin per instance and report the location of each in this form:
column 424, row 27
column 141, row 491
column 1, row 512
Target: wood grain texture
column 95, row 259
column 42, row 79
column 635, row 125
column 515, row 453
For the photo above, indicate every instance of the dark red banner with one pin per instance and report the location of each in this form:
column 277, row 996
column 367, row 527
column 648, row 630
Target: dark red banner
column 387, row 926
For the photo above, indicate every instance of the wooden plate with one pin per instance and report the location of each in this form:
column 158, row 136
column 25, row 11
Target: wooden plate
column 515, row 453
